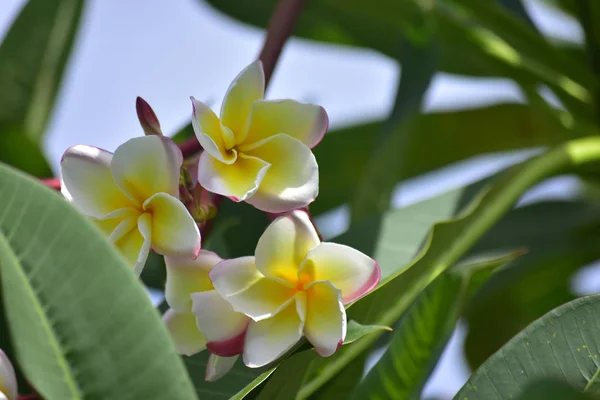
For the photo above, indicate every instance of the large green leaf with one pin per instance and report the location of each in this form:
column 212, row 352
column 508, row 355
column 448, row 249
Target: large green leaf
column 447, row 243
column 81, row 324
column 421, row 334
column 563, row 345
column 546, row 389
column 437, row 140
column 559, row 240
column 33, row 56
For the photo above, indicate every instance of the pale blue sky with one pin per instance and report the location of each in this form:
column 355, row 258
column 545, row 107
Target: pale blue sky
column 167, row 51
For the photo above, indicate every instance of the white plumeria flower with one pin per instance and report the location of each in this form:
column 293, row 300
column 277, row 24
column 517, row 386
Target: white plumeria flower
column 199, row 317
column 133, row 195
column 8, row 379
column 293, row 286
column 259, row 150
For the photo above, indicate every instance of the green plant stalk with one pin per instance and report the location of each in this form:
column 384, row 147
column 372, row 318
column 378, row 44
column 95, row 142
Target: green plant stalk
column 482, row 215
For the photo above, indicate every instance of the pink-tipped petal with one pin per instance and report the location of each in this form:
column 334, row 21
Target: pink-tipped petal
column 217, row 367
column 186, row 275
column 87, row 181
column 269, row 339
column 245, row 89
column 184, row 332
column 147, row 165
column 325, row 325
column 228, row 347
column 238, row 180
column 223, row 328
column 247, row 290
column 174, row 231
column 349, row 270
column 292, row 180
column 8, row 379
column 284, row 245
column 305, row 122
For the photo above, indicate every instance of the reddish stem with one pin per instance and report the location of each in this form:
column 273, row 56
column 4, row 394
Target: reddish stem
column 52, row 183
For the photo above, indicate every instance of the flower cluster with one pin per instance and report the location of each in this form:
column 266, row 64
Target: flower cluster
column 257, row 151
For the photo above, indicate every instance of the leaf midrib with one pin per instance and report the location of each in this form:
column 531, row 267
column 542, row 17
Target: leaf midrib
column 46, row 325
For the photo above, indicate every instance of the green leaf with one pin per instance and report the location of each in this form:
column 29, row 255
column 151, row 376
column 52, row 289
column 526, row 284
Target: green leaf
column 81, row 324
column 254, row 385
column 237, row 382
column 546, row 389
column 154, row 274
column 529, row 43
column 356, row 331
column 343, row 154
column 33, row 57
column 469, row 43
column 237, row 228
column 447, row 243
column 373, row 192
column 562, row 345
column 421, row 335
column 560, row 237
column 518, row 9
column 287, row 379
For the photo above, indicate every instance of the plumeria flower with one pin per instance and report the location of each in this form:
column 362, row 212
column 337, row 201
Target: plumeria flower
column 8, row 379
column 193, row 301
column 293, row 286
column 259, row 150
column 133, row 195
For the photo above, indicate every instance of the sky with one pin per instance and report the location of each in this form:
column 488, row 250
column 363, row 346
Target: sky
column 168, row 51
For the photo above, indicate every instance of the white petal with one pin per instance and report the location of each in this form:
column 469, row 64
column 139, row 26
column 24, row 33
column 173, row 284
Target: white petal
column 269, row 339
column 325, row 325
column 8, row 379
column 147, row 165
column 223, row 328
column 284, row 245
column 217, row 367
column 237, row 181
column 184, row 332
column 305, row 122
column 186, row 275
column 174, row 231
column 292, row 181
column 245, row 89
column 247, row 290
column 87, row 181
column 213, row 137
column 349, row 270
column 145, row 231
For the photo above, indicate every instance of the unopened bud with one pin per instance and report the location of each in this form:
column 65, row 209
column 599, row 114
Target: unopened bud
column 147, row 117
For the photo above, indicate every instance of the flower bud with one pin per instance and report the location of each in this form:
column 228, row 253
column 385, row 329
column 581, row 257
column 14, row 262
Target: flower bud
column 147, row 117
